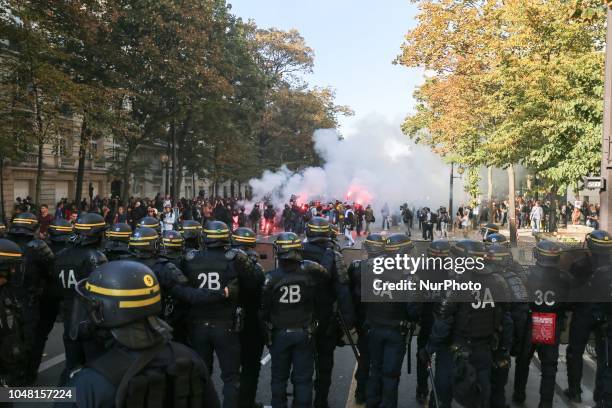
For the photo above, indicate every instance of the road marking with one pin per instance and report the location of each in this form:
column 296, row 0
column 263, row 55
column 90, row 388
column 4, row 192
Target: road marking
column 350, row 400
column 45, row 365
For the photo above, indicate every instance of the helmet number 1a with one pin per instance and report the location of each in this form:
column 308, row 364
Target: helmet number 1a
column 209, row 280
column 290, row 294
column 68, row 281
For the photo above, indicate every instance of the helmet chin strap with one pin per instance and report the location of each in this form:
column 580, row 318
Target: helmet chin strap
column 142, row 334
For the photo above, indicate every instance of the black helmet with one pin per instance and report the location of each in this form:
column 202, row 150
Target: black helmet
column 374, row 244
column 497, row 253
column 398, row 243
column 119, row 232
column 191, row 229
column 216, row 234
column 149, row 222
column 144, row 239
column 489, row 228
column 10, row 258
column 172, row 244
column 318, row 230
column 244, row 237
column 121, row 292
column 496, row 238
column 89, row 227
column 60, row 230
column 439, row 248
column 547, row 253
column 288, row 246
column 599, row 242
column 469, row 248
column 24, row 224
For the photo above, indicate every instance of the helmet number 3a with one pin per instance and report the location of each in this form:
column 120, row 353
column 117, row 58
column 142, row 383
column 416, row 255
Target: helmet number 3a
column 290, row 294
column 68, row 279
column 210, row 280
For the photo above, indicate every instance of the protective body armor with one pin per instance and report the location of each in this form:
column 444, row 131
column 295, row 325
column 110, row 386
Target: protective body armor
column 13, row 345
column 36, row 269
column 116, row 250
column 548, row 290
column 210, row 269
column 389, row 314
column 72, row 265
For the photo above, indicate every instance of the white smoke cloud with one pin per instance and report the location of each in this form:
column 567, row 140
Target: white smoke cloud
column 375, row 164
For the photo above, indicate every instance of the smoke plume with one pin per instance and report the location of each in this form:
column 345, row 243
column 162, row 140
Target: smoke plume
column 375, row 165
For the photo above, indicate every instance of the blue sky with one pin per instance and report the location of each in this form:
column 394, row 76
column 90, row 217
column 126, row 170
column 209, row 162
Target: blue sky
column 355, row 42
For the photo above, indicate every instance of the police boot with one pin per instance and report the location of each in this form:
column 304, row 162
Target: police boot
column 573, row 395
column 519, row 397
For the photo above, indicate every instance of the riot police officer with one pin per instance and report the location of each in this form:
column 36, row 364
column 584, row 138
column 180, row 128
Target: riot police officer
column 117, row 241
column 74, row 264
column 593, row 275
column 548, row 290
column 60, row 236
column 13, row 345
column 191, row 230
column 332, row 294
column 388, row 323
column 150, row 222
column 251, row 336
column 172, row 246
column 474, row 323
column 374, row 245
column 143, row 368
column 439, row 252
column 288, row 312
column 498, row 260
column 37, row 271
column 215, row 327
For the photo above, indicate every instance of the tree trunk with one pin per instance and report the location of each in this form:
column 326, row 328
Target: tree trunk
column 2, row 190
column 511, row 206
column 239, row 190
column 40, row 138
column 81, row 169
column 173, row 155
column 125, row 170
column 490, row 193
column 39, row 169
column 193, row 185
column 182, row 137
column 552, row 210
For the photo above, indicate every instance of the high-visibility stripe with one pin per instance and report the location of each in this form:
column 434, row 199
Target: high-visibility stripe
column 121, row 292
column 286, row 246
column 377, row 243
column 118, row 234
column 149, row 225
column 144, row 238
column 217, row 235
column 172, row 245
column 10, row 254
column 60, row 228
column 191, row 228
column 24, row 221
column 127, row 304
column 601, row 241
column 173, row 240
column 244, row 239
column 286, row 241
column 224, row 231
column 132, row 243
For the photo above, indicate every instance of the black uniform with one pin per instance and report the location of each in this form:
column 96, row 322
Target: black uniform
column 547, row 290
column 331, row 294
column 287, row 308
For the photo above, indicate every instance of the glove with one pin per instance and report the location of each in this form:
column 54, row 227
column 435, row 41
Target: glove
column 424, row 356
column 233, row 289
column 501, row 358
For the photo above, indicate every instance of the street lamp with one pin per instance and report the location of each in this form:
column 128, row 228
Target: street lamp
column 165, row 159
column 460, row 171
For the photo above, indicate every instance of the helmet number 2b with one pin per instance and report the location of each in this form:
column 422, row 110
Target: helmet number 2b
column 290, row 294
column 210, row 280
column 68, row 281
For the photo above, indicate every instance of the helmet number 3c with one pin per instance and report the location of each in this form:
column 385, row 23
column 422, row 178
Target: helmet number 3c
column 209, row 280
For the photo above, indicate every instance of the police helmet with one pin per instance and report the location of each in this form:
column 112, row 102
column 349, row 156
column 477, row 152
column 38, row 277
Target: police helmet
column 60, row 230
column 547, row 253
column 172, row 244
column 489, row 228
column 11, row 257
column 244, row 237
column 496, row 238
column 191, row 229
column 398, row 243
column 599, row 242
column 334, row 231
column 288, row 246
column 216, row 234
column 497, row 253
column 144, row 239
column 90, row 227
column 149, row 222
column 374, row 244
column 439, row 248
column 2, row 229
column 318, row 230
column 119, row 232
column 121, row 292
column 24, row 224
column 469, row 248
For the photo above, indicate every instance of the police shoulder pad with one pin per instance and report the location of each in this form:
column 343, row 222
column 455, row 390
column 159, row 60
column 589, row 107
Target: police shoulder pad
column 37, row 244
column 191, row 254
column 232, row 253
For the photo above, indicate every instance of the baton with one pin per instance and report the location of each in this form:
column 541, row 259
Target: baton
column 348, row 335
column 433, row 384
